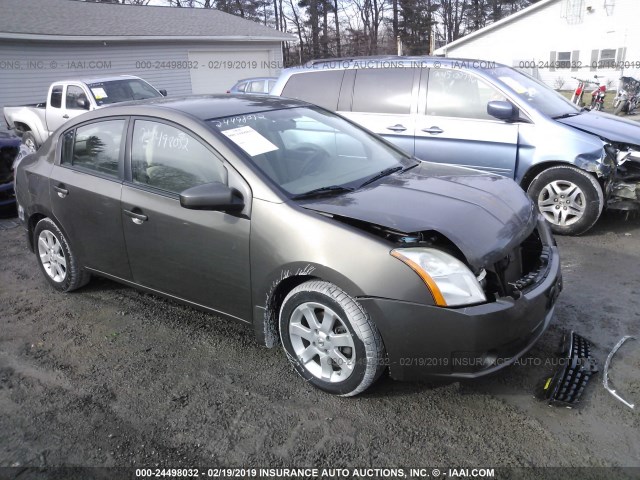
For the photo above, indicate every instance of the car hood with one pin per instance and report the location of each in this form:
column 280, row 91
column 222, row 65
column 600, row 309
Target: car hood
column 610, row 127
column 484, row 215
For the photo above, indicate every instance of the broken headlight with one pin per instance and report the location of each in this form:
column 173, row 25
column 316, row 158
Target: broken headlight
column 450, row 281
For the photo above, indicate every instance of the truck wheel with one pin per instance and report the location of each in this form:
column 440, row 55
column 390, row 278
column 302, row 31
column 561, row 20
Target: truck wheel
column 570, row 199
column 330, row 339
column 56, row 259
column 29, row 141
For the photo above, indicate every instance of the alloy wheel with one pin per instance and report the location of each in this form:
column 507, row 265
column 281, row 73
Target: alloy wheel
column 52, row 256
column 322, row 342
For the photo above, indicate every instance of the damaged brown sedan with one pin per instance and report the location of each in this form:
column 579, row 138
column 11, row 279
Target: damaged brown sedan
column 285, row 216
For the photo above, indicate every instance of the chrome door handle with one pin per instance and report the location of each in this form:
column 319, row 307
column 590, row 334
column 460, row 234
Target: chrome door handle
column 62, row 192
column 397, row 128
column 433, row 130
column 136, row 218
column 65, row 116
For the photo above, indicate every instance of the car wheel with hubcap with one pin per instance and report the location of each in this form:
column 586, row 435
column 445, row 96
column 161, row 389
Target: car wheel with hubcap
column 330, row 339
column 56, row 260
column 570, row 199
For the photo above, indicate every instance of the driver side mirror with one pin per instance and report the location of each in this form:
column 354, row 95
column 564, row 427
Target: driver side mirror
column 212, row 196
column 502, row 110
column 83, row 103
column 163, row 92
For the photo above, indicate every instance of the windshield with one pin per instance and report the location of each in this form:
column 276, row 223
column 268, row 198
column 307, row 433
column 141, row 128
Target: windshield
column 533, row 92
column 115, row 91
column 304, row 150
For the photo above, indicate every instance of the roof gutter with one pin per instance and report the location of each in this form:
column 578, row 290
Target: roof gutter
column 149, row 38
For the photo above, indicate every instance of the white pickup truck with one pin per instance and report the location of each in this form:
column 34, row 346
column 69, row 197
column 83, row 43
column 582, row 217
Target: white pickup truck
column 70, row 98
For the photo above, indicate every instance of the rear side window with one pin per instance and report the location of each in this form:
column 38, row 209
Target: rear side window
column 56, row 96
column 257, row 86
column 94, row 147
column 321, row 88
column 383, row 90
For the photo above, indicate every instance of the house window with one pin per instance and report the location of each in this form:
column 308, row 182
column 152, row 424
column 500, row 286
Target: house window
column 607, row 58
column 564, row 60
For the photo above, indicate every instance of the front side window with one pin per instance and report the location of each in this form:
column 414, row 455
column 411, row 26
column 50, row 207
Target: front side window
column 455, row 93
column 303, row 149
column 381, row 90
column 74, row 94
column 56, row 96
column 165, row 157
column 94, row 147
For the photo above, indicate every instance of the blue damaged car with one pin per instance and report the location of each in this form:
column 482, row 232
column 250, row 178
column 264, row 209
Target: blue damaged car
column 572, row 162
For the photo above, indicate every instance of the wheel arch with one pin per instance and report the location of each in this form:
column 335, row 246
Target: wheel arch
column 279, row 284
column 31, row 226
column 33, row 220
column 538, row 168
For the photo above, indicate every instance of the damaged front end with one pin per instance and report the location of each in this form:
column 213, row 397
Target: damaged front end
column 623, row 187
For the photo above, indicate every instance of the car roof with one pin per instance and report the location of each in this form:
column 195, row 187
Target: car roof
column 205, row 107
column 382, row 61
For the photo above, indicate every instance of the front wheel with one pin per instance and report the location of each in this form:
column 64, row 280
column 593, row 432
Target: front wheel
column 570, row 199
column 330, row 339
column 56, row 259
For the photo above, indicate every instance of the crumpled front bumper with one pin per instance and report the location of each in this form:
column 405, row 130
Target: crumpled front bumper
column 425, row 341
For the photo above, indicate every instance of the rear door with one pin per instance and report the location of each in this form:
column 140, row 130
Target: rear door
column 384, row 101
column 85, row 189
column 453, row 125
column 197, row 255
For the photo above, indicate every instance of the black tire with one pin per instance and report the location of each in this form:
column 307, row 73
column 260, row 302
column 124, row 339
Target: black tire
column 366, row 355
column 56, row 259
column 555, row 198
column 29, row 140
column 620, row 107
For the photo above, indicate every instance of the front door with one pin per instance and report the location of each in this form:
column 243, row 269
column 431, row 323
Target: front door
column 196, row 255
column 454, row 127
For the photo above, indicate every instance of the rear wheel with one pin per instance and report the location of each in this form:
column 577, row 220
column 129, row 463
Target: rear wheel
column 570, row 199
column 330, row 339
column 56, row 259
column 29, row 141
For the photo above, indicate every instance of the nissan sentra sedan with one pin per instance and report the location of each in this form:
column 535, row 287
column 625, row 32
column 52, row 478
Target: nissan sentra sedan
column 320, row 235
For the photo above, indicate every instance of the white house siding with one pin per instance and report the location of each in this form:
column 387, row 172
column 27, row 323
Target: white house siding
column 538, row 36
column 28, row 68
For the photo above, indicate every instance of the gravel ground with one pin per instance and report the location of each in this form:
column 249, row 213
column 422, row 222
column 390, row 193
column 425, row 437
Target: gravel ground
column 108, row 376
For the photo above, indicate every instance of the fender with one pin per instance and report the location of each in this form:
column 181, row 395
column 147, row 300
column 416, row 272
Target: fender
column 268, row 299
